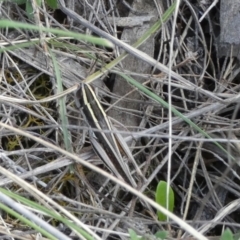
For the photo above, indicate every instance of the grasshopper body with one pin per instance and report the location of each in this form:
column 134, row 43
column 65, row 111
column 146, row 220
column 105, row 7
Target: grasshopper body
column 103, row 140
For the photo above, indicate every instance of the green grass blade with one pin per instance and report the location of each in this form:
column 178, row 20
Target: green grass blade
column 26, row 221
column 19, row 45
column 62, row 105
column 59, row 32
column 46, row 211
column 174, row 110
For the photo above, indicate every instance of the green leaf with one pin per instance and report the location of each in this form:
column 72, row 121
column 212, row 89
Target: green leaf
column 29, row 9
column 133, row 234
column 52, row 3
column 227, row 235
column 19, row 2
column 236, row 236
column 162, row 198
column 161, row 235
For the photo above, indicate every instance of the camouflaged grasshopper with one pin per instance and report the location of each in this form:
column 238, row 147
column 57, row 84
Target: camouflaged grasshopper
column 108, row 146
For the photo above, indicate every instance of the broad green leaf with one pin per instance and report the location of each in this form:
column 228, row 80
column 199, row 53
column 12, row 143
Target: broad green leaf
column 133, row 235
column 227, row 235
column 19, row 2
column 52, row 3
column 29, row 8
column 161, row 198
column 236, row 236
column 161, row 235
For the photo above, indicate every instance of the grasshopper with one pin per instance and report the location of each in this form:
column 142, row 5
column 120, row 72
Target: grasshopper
column 107, row 146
